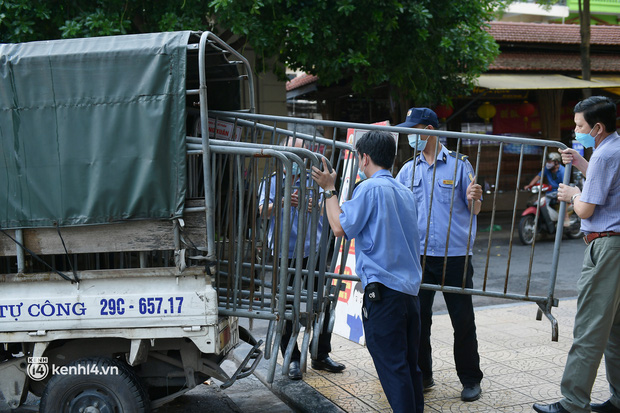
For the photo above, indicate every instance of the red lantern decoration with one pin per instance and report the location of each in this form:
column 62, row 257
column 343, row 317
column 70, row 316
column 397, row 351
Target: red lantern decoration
column 526, row 109
column 443, row 112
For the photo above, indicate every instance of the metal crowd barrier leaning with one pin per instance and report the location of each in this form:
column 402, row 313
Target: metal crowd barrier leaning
column 254, row 275
column 265, row 129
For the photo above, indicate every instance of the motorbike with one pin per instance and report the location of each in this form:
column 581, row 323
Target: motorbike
column 547, row 216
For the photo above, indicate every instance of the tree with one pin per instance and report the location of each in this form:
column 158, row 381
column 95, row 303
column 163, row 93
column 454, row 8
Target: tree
column 28, row 20
column 427, row 50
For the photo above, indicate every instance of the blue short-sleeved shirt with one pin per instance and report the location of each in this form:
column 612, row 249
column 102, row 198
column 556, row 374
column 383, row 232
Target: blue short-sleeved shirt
column 294, row 215
column 381, row 216
column 445, row 180
column 602, row 187
column 554, row 179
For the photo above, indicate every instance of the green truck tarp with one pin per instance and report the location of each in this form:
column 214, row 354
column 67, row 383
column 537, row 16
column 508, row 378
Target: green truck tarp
column 92, row 131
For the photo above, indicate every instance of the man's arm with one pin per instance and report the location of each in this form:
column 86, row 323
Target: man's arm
column 327, row 181
column 532, row 182
column 573, row 194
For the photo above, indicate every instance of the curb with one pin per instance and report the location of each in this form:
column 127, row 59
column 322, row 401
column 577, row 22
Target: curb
column 297, row 394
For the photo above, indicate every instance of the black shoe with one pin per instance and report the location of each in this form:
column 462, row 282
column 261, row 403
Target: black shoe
column 471, row 392
column 606, row 407
column 550, row 408
column 294, row 371
column 427, row 384
column 327, row 364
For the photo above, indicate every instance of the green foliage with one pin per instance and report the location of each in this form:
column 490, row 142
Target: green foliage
column 28, row 20
column 427, row 50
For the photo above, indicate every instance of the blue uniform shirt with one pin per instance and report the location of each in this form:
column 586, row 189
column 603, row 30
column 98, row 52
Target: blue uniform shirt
column 444, row 181
column 602, row 187
column 554, row 179
column 381, row 216
column 294, row 215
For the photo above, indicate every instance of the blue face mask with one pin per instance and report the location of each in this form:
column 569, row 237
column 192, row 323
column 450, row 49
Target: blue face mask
column 361, row 173
column 585, row 139
column 415, row 141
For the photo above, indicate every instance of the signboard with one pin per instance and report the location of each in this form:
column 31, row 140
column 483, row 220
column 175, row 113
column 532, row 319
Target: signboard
column 224, row 130
column 576, row 145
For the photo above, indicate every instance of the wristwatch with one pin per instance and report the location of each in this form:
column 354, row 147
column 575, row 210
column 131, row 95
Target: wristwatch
column 572, row 198
column 329, row 193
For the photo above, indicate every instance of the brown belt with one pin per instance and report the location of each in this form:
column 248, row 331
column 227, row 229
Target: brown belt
column 594, row 235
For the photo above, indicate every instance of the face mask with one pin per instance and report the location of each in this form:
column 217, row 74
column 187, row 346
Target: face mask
column 585, row 139
column 361, row 174
column 415, row 141
column 549, row 165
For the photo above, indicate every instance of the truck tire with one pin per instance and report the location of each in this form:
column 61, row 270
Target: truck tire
column 99, row 384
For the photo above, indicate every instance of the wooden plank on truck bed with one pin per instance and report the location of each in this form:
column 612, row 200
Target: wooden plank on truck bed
column 126, row 236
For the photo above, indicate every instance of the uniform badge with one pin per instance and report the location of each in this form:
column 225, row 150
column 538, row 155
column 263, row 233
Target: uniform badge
column 448, row 182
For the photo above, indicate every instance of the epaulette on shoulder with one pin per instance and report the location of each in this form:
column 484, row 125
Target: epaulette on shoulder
column 461, row 157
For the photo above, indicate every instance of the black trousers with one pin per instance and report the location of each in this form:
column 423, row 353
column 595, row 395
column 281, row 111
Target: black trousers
column 461, row 311
column 325, row 337
column 392, row 327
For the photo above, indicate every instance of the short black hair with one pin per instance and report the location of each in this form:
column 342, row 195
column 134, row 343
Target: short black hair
column 379, row 145
column 597, row 109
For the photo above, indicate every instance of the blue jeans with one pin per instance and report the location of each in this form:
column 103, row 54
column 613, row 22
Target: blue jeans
column 392, row 327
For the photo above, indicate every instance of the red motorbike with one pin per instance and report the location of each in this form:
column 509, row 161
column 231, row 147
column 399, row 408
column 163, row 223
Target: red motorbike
column 547, row 216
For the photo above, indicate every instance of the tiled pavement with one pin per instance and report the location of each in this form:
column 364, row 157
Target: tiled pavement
column 521, row 365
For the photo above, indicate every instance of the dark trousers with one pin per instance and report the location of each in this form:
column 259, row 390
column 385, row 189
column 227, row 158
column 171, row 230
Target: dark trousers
column 461, row 312
column 392, row 327
column 325, row 337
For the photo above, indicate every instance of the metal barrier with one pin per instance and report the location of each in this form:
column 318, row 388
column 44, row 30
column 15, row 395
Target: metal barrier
column 263, row 128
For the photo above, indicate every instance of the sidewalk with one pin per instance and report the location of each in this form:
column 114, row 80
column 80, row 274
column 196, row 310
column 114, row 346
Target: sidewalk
column 520, row 363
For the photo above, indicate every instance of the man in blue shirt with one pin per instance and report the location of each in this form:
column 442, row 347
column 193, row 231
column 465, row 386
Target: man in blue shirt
column 451, row 174
column 597, row 321
column 381, row 216
column 323, row 360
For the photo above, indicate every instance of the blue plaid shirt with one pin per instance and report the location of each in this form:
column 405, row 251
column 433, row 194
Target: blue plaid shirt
column 602, row 187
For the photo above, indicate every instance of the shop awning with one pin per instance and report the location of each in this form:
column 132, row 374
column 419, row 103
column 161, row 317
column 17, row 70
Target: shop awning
column 538, row 82
column 609, row 78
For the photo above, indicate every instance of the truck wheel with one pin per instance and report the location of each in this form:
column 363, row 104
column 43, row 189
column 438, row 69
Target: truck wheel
column 97, row 384
column 526, row 229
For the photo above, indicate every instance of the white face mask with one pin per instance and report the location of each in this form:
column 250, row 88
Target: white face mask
column 549, row 165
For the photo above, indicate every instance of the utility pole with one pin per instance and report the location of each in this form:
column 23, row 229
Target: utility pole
column 584, row 21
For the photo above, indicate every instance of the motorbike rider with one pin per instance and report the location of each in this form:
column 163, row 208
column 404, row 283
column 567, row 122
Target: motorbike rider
column 554, row 172
column 554, row 176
